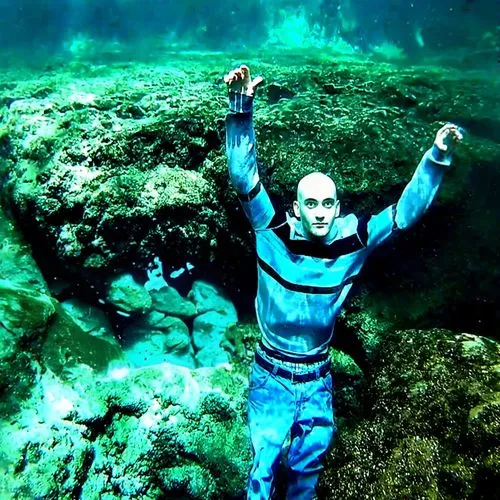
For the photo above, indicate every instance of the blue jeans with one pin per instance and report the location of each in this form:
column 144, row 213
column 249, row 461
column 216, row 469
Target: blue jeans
column 278, row 409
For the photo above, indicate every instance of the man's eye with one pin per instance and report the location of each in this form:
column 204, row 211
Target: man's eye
column 310, row 204
column 328, row 204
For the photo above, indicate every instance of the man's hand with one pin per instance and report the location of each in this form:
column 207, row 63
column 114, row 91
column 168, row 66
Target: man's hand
column 448, row 136
column 238, row 80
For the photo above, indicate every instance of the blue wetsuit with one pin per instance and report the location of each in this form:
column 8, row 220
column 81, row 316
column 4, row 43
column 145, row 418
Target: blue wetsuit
column 301, row 287
column 303, row 284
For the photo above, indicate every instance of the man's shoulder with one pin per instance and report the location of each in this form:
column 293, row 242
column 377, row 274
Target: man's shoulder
column 346, row 225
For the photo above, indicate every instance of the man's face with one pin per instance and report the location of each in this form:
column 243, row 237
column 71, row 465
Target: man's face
column 317, row 205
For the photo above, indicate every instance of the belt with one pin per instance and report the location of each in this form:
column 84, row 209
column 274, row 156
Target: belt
column 294, row 377
column 283, row 357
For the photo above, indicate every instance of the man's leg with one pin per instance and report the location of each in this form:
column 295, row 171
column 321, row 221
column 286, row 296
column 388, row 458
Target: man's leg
column 271, row 408
column 311, row 436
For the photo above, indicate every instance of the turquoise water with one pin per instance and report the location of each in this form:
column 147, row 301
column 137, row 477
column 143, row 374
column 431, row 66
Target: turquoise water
column 396, row 29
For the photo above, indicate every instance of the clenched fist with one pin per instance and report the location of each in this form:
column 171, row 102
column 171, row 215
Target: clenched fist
column 238, row 80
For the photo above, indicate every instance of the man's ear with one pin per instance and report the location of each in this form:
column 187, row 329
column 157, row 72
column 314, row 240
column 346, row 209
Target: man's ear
column 296, row 210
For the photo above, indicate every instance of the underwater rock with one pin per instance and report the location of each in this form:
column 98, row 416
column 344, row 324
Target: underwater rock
column 196, row 481
column 157, row 347
column 177, row 342
column 209, row 329
column 16, row 262
column 19, row 371
column 212, row 355
column 155, row 432
column 127, row 295
column 209, row 337
column 158, row 338
column 24, row 311
column 484, row 425
column 156, row 320
column 428, row 423
column 67, row 345
column 90, row 319
column 169, row 301
column 208, row 297
column 50, row 460
column 218, row 441
column 84, row 184
column 7, row 344
column 36, row 333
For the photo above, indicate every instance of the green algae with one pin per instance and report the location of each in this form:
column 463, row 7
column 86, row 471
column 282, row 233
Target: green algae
column 428, row 421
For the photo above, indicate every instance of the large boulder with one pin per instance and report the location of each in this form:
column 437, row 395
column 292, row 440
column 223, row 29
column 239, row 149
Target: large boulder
column 25, row 314
column 162, row 431
column 217, row 315
column 24, row 311
column 107, row 181
column 35, row 331
column 89, row 318
column 169, row 301
column 209, row 329
column 157, row 338
column 67, row 345
column 209, row 337
column 16, row 261
column 127, row 295
column 209, row 297
column 428, row 425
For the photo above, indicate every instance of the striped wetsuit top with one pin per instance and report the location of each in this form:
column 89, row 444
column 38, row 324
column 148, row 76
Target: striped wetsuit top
column 303, row 284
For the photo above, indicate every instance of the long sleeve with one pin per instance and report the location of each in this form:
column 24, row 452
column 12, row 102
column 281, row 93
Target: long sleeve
column 415, row 199
column 242, row 161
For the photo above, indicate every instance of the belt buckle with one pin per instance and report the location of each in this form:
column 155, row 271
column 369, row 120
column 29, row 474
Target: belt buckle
column 296, row 377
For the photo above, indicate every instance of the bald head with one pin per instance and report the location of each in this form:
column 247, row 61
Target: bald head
column 317, row 205
column 316, row 185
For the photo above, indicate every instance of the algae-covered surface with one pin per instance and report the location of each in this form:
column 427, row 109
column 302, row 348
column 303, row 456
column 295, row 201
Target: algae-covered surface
column 109, row 164
column 98, row 148
column 430, row 422
column 105, row 164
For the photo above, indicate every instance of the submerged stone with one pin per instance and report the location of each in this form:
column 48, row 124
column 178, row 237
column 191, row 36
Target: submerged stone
column 126, row 294
column 169, row 301
column 23, row 311
column 209, row 328
column 67, row 345
column 429, row 419
column 208, row 297
column 89, row 318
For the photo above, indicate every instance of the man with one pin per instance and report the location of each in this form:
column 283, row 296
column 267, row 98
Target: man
column 306, row 265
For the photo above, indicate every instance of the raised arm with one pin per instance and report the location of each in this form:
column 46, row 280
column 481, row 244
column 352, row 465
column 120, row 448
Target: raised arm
column 240, row 148
column 420, row 191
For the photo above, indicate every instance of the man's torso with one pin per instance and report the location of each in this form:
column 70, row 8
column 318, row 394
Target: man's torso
column 302, row 285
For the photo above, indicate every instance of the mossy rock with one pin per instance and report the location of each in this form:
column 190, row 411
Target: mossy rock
column 428, row 423
column 68, row 345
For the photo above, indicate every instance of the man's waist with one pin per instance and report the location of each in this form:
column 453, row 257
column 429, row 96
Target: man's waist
column 305, row 372
column 308, row 360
